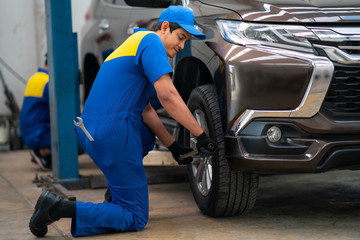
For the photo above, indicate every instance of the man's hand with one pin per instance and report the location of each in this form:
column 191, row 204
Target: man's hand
column 177, row 150
column 205, row 145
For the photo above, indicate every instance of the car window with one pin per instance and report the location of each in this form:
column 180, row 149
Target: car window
column 116, row 4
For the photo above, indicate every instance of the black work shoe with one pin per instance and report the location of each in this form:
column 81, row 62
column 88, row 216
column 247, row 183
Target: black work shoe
column 44, row 162
column 41, row 216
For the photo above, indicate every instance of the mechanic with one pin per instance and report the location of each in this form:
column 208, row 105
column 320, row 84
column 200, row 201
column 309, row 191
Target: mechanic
column 114, row 132
column 35, row 117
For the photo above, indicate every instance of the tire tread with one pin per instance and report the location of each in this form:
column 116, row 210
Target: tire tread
column 235, row 192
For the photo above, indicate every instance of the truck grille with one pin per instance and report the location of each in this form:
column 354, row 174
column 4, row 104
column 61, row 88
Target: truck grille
column 341, row 45
column 343, row 95
column 350, row 47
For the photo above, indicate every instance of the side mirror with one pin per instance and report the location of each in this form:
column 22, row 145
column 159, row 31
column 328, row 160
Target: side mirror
column 150, row 3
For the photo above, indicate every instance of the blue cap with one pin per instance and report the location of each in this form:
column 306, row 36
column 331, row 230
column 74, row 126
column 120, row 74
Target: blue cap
column 183, row 16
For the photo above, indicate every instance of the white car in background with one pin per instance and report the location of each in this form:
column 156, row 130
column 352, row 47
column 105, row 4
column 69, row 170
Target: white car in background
column 108, row 24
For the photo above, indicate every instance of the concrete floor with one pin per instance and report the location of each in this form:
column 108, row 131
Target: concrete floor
column 296, row 206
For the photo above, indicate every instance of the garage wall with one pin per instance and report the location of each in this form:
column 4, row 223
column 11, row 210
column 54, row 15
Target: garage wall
column 23, row 41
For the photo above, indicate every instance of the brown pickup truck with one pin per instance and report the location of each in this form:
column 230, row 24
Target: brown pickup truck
column 276, row 83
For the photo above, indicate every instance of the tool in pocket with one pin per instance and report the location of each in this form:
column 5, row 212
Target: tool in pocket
column 80, row 124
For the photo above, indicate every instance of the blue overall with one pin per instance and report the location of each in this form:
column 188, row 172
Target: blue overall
column 34, row 115
column 113, row 116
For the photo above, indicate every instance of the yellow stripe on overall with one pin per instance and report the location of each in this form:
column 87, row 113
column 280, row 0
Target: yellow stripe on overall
column 36, row 84
column 129, row 47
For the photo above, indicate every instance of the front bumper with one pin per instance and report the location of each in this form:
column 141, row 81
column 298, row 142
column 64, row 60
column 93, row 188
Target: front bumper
column 297, row 151
column 321, row 132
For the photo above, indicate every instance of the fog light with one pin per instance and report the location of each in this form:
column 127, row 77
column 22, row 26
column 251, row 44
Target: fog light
column 274, row 134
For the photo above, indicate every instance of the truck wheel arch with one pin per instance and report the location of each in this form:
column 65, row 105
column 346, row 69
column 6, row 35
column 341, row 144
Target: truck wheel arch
column 190, row 72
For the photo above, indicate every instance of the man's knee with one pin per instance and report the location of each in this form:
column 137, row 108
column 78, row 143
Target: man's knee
column 133, row 221
column 141, row 221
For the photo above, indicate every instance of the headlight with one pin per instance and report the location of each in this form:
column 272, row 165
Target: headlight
column 289, row 37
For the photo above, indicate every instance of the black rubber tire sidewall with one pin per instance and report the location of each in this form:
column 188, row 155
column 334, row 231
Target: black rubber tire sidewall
column 205, row 98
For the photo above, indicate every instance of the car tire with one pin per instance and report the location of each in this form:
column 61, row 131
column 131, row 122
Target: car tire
column 217, row 190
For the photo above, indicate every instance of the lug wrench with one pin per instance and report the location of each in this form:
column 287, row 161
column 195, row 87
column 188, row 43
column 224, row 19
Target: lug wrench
column 80, row 124
column 189, row 154
column 195, row 152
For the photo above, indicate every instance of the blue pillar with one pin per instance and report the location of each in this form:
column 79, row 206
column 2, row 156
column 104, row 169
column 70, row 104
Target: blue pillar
column 63, row 88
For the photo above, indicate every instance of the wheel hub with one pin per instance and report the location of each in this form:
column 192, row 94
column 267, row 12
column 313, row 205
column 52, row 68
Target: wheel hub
column 201, row 166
